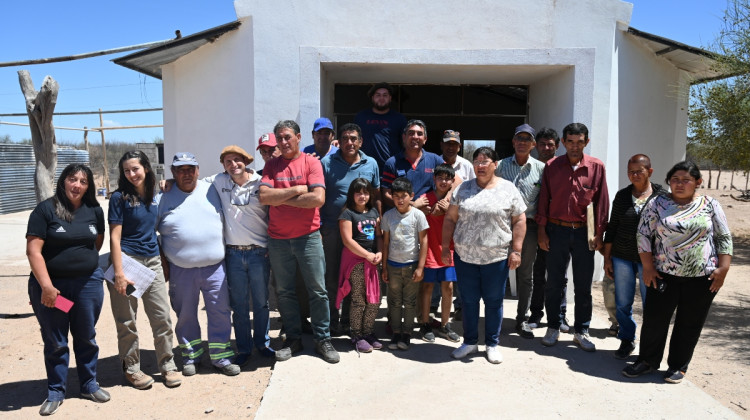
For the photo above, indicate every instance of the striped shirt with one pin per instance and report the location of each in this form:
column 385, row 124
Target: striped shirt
column 527, row 178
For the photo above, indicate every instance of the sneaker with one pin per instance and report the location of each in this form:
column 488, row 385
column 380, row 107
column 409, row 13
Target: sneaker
column 139, row 380
column 403, row 342
column 242, row 359
column 393, row 345
column 49, row 408
column 534, row 323
column 447, row 333
column 613, row 330
column 190, row 369
column 325, row 348
column 564, row 326
column 229, row 370
column 373, row 340
column 361, row 345
column 267, row 352
column 427, row 334
column 674, row 376
column 172, row 379
column 626, row 349
column 584, row 341
column 637, row 369
column 98, row 396
column 458, row 315
column 493, row 355
column 464, row 350
column 290, row 347
column 523, row 329
column 550, row 338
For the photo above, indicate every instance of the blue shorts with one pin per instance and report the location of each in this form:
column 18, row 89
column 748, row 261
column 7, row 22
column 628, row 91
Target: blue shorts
column 436, row 275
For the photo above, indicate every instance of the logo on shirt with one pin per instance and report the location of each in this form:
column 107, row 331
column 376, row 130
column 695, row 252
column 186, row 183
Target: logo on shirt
column 92, row 229
column 60, row 230
column 428, row 170
column 401, row 172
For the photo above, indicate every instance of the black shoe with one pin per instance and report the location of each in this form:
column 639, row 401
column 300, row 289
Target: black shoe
column 674, row 376
column 427, row 334
column 637, row 369
column 613, row 330
column 458, row 315
column 626, row 349
column 403, row 342
column 242, row 359
column 290, row 347
column 49, row 408
column 393, row 345
column 325, row 348
column 99, row 396
column 523, row 330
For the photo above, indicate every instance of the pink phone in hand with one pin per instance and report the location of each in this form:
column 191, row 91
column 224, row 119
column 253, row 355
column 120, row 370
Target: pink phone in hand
column 63, row 304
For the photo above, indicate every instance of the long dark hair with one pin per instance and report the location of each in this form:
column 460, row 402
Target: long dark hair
column 358, row 185
column 63, row 207
column 126, row 187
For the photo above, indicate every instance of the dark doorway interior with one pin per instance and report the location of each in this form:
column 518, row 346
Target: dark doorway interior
column 479, row 112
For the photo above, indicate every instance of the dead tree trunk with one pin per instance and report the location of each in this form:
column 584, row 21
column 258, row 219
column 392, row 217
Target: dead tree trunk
column 40, row 106
column 709, row 177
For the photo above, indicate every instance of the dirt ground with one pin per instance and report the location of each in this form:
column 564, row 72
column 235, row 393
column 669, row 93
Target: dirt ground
column 721, row 364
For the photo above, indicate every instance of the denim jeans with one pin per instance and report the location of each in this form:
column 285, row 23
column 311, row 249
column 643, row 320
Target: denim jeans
column 87, row 294
column 564, row 243
column 307, row 251
column 248, row 273
column 486, row 282
column 625, row 272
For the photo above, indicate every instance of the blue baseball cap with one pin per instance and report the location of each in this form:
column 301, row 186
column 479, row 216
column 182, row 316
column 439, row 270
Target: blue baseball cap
column 184, row 158
column 322, row 123
column 525, row 128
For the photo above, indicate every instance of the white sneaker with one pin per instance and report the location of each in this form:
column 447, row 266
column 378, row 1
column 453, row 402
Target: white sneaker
column 493, row 355
column 584, row 341
column 564, row 326
column 550, row 338
column 464, row 350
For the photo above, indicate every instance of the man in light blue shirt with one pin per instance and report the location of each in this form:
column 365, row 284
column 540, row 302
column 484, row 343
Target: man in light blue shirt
column 525, row 173
column 323, row 142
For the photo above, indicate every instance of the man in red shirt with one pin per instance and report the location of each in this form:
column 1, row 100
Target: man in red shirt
column 294, row 189
column 569, row 184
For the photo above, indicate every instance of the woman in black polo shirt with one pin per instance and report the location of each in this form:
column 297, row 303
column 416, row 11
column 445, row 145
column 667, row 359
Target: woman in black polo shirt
column 64, row 235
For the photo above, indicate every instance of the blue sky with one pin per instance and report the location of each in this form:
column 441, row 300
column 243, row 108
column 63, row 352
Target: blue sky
column 41, row 29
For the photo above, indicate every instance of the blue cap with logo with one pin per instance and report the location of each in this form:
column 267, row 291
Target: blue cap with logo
column 525, row 128
column 322, row 123
column 184, row 158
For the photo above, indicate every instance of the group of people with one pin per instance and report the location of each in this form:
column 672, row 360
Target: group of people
column 326, row 224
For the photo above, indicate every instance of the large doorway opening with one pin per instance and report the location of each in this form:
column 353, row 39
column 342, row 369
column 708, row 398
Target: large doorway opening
column 483, row 114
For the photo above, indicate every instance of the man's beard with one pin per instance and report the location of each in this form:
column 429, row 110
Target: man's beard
column 385, row 107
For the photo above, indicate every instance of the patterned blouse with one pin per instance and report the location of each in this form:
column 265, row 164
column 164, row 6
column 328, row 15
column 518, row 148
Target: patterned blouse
column 684, row 239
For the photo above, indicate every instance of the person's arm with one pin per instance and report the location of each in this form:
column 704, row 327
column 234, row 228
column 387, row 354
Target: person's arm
column 723, row 244
column 518, row 225
column 164, row 264
column 386, row 243
column 378, row 204
column 378, row 243
column 720, row 273
column 601, row 209
column 449, row 226
column 419, row 271
column 34, row 246
column 277, row 196
column 607, row 254
column 649, row 270
column 386, row 197
column 644, row 235
column 115, row 253
column 308, row 200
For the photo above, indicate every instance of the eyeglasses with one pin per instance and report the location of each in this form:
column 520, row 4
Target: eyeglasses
column 482, row 163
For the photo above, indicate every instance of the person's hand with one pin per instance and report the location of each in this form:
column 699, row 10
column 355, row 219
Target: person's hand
column 446, row 256
column 717, row 279
column 514, row 260
column 420, row 202
column 418, row 275
column 165, row 270
column 335, row 143
column 542, row 238
column 442, row 206
column 649, row 276
column 608, row 267
column 49, row 295
column 384, row 274
column 302, row 189
column 598, row 243
column 376, row 258
column 166, row 184
column 121, row 284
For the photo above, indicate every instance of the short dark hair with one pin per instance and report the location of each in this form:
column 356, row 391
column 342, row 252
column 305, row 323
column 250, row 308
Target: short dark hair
column 641, row 158
column 286, row 124
column 359, row 184
column 381, row 85
column 416, row 122
column 402, row 184
column 63, row 207
column 350, row 127
column 548, row 133
column 127, row 189
column 444, row 169
column 576, row 128
column 487, row 152
column 687, row 166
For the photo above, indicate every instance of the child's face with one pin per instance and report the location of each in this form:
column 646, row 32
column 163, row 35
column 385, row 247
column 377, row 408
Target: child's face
column 361, row 198
column 443, row 183
column 402, row 201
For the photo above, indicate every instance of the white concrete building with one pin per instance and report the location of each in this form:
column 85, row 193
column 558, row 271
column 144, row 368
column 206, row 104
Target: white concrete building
column 480, row 67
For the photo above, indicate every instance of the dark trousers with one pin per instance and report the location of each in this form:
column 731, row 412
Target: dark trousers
column 692, row 299
column 566, row 243
column 537, row 292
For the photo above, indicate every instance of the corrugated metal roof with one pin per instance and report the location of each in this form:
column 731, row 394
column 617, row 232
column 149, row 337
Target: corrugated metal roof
column 149, row 61
column 700, row 63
